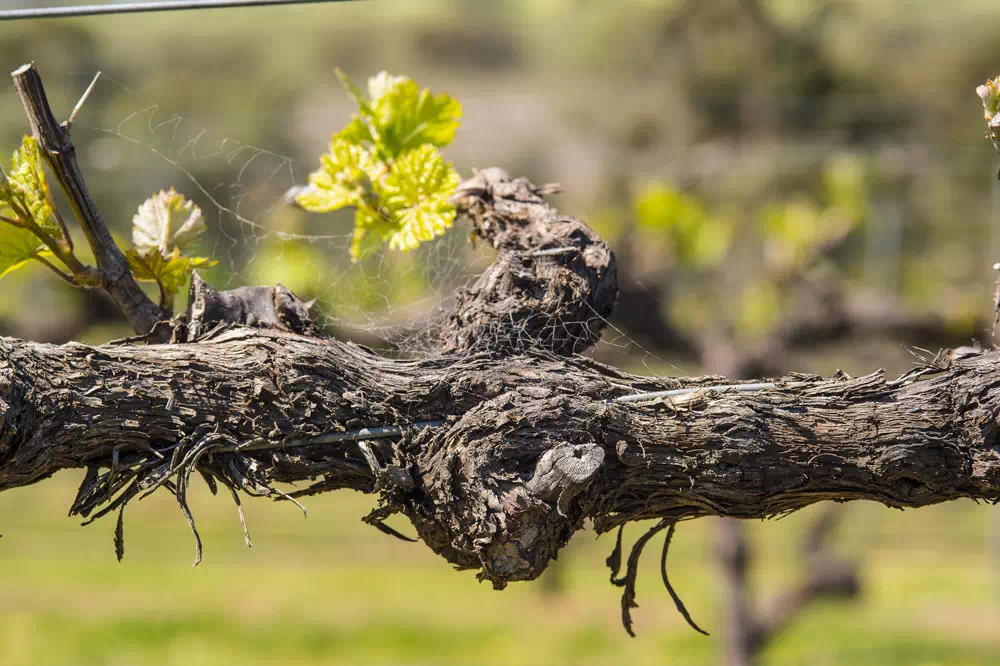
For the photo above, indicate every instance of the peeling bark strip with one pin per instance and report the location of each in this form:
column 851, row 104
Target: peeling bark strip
column 530, row 447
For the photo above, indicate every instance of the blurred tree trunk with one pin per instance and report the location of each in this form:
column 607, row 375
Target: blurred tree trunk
column 737, row 635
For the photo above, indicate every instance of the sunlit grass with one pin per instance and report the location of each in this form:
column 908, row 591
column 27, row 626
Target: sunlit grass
column 328, row 589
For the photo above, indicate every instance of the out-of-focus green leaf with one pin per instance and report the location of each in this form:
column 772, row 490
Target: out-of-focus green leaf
column 27, row 184
column 798, row 232
column 664, row 208
column 353, row 91
column 697, row 237
column 792, row 233
column 170, row 272
column 166, row 222
column 371, row 229
column 302, row 267
column 845, row 186
column 18, row 246
column 416, row 193
column 759, row 308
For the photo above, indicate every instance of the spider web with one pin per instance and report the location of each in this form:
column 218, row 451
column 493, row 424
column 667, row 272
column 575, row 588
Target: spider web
column 393, row 300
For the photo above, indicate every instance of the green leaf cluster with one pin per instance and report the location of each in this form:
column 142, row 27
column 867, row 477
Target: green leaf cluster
column 25, row 209
column 386, row 165
column 697, row 237
column 165, row 231
column 29, row 187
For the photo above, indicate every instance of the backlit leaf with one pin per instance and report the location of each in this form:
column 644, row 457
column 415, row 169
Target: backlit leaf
column 167, row 221
column 416, row 193
column 27, row 184
column 386, row 165
column 344, row 179
column 408, row 117
column 17, row 247
column 170, row 272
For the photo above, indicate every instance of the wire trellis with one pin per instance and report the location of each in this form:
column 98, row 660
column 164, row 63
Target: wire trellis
column 142, row 7
column 381, row 432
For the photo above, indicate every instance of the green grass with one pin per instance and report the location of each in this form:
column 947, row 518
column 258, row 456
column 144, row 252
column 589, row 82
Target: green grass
column 329, row 589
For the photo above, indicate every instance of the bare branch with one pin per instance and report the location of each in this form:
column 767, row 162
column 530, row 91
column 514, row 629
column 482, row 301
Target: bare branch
column 141, row 312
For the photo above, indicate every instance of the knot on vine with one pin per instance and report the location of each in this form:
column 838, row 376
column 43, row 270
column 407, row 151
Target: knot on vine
column 502, row 491
column 554, row 281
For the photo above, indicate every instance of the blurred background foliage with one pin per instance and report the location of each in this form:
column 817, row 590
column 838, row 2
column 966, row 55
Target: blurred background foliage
column 789, row 186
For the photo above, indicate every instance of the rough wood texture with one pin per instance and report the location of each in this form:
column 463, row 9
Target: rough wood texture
column 509, row 439
column 260, row 307
column 553, row 284
column 481, row 489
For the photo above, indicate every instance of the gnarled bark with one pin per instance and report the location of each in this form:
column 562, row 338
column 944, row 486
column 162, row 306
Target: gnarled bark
column 553, row 284
column 486, row 488
column 496, row 461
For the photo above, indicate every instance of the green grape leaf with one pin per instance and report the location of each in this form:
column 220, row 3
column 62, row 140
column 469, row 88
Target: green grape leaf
column 165, row 231
column 353, row 91
column 27, row 187
column 416, row 193
column 371, row 230
column 846, row 188
column 344, row 179
column 166, row 222
column 697, row 237
column 398, row 116
column 408, row 117
column 357, row 132
column 383, row 83
column 17, row 247
column 759, row 308
column 169, row 271
column 386, row 165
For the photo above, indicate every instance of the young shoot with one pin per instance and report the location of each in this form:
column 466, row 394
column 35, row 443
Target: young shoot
column 386, row 164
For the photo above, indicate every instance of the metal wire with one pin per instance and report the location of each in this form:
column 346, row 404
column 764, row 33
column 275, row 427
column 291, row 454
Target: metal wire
column 142, row 7
column 729, row 388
